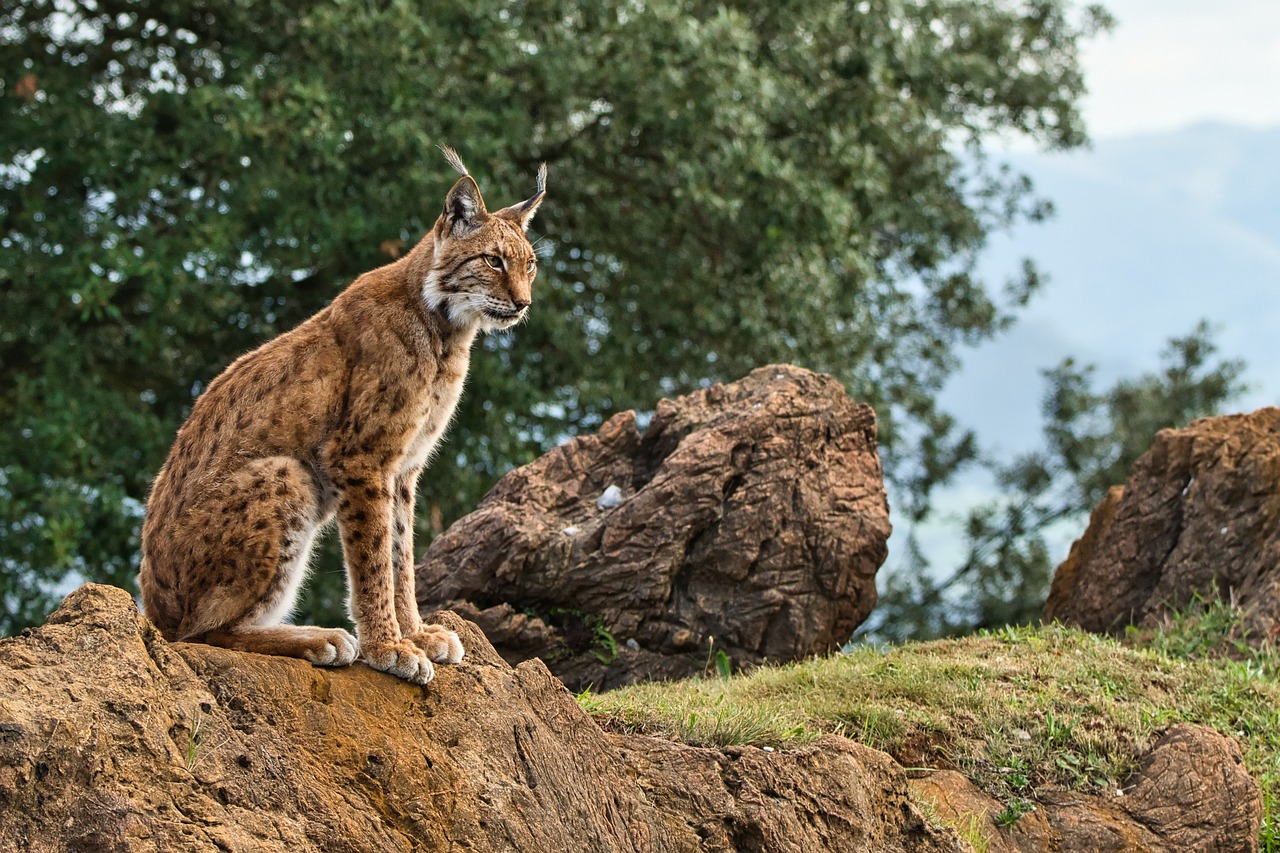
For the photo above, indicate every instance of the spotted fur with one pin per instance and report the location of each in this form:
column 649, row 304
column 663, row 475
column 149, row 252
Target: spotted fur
column 334, row 419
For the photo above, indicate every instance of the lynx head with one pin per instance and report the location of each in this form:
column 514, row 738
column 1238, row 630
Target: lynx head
column 483, row 266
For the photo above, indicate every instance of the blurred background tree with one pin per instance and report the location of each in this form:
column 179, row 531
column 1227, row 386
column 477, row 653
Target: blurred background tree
column 1091, row 439
column 731, row 184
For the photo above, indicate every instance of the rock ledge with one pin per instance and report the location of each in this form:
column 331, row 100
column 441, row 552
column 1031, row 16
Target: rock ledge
column 113, row 739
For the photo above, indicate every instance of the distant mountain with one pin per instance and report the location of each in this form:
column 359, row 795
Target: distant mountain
column 1231, row 172
column 1152, row 234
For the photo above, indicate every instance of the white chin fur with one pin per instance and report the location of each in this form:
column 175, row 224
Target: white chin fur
column 464, row 309
column 489, row 323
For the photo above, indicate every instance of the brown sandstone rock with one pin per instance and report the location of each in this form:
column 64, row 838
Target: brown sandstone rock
column 1192, row 790
column 753, row 513
column 1200, row 514
column 112, row 739
column 961, row 804
column 1190, row 794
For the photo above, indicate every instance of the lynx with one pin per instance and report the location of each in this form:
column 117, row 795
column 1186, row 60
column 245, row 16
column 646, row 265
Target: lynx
column 337, row 417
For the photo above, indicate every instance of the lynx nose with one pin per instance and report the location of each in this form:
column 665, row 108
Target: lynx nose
column 520, row 304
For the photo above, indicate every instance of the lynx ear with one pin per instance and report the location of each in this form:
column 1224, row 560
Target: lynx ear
column 463, row 208
column 523, row 212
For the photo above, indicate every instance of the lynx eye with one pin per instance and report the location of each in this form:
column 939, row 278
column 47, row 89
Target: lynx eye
column 493, row 261
column 532, row 264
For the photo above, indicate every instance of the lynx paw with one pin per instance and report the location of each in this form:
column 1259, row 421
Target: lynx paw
column 333, row 648
column 400, row 658
column 440, row 644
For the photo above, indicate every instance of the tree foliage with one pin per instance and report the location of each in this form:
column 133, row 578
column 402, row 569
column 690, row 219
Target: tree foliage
column 731, row 184
column 1091, row 439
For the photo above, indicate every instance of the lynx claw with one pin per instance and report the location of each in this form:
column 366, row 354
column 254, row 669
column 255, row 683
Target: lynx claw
column 440, row 644
column 400, row 658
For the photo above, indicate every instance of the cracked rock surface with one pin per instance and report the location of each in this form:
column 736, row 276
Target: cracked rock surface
column 751, row 514
column 1199, row 515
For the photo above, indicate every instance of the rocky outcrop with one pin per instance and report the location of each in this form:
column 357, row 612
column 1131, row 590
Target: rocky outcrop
column 751, row 516
column 1190, row 792
column 112, row 739
column 1199, row 514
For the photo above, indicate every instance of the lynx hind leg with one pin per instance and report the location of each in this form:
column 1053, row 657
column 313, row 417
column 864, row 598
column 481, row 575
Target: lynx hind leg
column 256, row 539
column 321, row 646
column 440, row 644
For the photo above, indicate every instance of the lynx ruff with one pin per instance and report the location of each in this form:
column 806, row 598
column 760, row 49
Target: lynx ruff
column 335, row 418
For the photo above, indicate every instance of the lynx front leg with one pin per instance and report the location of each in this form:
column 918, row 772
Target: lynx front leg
column 406, row 487
column 440, row 644
column 364, row 519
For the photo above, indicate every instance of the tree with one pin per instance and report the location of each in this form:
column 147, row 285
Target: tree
column 1091, row 439
column 731, row 184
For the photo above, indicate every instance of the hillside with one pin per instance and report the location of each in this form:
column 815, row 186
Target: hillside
column 1022, row 712
column 1162, row 737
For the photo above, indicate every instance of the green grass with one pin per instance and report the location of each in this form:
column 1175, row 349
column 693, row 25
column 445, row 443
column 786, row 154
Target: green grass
column 970, row 827
column 1014, row 709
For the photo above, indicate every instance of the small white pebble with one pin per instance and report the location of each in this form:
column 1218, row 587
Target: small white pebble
column 767, row 748
column 612, row 497
column 1222, row 532
column 632, row 644
column 571, row 530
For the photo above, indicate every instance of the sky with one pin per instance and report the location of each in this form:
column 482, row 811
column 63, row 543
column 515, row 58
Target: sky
column 1155, row 221
column 1173, row 216
column 1166, row 183
column 1172, row 63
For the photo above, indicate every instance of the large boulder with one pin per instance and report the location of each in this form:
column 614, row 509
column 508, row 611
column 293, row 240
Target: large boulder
column 748, row 518
column 1199, row 515
column 112, row 739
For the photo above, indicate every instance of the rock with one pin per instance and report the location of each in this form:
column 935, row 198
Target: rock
column 112, row 739
column 1199, row 515
column 1192, row 790
column 959, row 803
column 751, row 515
column 1190, row 793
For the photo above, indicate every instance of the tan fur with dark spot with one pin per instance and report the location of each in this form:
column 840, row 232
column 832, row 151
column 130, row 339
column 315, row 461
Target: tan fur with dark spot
column 336, row 418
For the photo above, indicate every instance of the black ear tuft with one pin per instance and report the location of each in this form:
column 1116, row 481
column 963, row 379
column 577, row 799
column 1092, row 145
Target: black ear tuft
column 463, row 207
column 523, row 212
column 454, row 160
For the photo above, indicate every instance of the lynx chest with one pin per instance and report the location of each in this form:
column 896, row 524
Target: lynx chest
column 440, row 400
